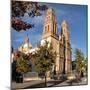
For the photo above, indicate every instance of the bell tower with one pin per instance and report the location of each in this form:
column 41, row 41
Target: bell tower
column 50, row 35
column 50, row 25
column 65, row 31
column 65, row 35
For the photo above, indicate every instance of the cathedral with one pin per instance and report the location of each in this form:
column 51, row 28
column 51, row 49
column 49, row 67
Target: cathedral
column 60, row 43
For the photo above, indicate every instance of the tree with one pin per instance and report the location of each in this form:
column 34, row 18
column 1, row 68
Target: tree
column 85, row 66
column 79, row 62
column 20, row 8
column 86, row 63
column 20, row 66
column 45, row 58
column 22, row 63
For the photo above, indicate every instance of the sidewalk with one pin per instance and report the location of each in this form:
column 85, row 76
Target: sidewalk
column 15, row 85
column 83, row 81
column 34, row 84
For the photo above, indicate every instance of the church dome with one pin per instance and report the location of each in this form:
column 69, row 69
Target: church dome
column 26, row 45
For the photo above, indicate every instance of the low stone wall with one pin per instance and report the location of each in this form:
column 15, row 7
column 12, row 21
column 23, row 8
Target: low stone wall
column 33, row 76
column 30, row 76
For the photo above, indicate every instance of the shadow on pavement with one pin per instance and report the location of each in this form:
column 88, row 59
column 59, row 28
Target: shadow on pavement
column 42, row 85
column 73, row 81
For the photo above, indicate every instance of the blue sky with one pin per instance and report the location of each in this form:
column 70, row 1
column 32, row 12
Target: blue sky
column 75, row 15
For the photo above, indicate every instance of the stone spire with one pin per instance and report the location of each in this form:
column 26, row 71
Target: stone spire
column 65, row 30
column 26, row 39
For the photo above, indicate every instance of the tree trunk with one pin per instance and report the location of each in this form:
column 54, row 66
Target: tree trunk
column 45, row 80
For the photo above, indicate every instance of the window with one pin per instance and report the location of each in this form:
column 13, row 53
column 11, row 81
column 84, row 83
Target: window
column 48, row 27
column 45, row 29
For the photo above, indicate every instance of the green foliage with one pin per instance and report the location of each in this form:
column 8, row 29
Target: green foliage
column 80, row 61
column 45, row 58
column 22, row 63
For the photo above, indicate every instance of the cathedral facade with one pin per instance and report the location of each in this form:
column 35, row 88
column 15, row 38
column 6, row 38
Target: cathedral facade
column 60, row 43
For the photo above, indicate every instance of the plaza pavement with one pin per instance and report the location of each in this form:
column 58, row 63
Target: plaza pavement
column 50, row 83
